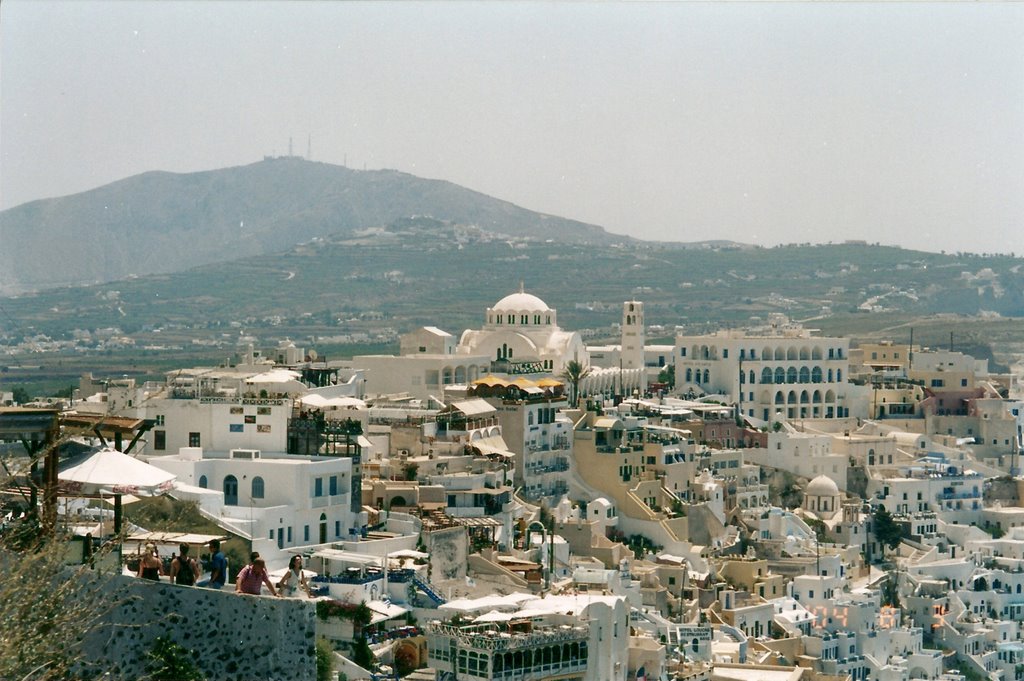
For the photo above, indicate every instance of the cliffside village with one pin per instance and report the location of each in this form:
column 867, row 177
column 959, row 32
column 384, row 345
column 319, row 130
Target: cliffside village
column 512, row 503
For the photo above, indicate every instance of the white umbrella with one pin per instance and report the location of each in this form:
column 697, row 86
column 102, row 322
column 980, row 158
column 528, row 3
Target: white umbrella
column 109, row 471
column 278, row 574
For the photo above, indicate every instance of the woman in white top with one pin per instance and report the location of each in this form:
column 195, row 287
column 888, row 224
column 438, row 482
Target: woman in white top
column 293, row 580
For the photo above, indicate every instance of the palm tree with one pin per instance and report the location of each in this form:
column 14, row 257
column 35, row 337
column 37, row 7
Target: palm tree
column 573, row 372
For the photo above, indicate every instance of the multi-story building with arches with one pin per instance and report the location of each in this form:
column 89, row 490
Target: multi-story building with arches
column 779, row 367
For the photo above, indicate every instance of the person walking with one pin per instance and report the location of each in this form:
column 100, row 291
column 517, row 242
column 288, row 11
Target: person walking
column 184, row 569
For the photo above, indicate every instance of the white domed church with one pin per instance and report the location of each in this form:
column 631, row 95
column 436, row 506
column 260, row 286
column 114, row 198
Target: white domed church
column 521, row 336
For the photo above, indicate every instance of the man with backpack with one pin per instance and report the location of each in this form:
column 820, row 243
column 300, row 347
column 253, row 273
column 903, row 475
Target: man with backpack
column 184, row 569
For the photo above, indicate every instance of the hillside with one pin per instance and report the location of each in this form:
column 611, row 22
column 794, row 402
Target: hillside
column 354, row 294
column 161, row 222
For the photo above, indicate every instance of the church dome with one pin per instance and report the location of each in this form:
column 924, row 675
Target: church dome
column 521, row 302
column 822, row 486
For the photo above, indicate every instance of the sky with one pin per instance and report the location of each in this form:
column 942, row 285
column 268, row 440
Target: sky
column 763, row 123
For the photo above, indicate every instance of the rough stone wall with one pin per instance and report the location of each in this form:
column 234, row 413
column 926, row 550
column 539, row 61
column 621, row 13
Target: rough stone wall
column 449, row 551
column 231, row 637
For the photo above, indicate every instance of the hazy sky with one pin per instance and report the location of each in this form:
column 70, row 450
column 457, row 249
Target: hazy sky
column 764, row 123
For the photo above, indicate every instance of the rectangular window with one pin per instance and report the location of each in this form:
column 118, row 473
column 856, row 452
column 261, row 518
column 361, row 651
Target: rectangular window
column 333, row 485
column 725, row 353
column 236, row 428
column 682, row 352
column 194, row 440
column 159, row 440
column 289, row 535
column 318, row 488
column 963, row 382
column 159, row 419
column 305, row 533
column 337, row 528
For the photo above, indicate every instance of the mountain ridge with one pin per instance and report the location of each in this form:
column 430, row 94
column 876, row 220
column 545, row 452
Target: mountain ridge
column 163, row 222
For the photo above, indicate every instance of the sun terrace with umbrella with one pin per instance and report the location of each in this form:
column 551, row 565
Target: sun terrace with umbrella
column 63, row 476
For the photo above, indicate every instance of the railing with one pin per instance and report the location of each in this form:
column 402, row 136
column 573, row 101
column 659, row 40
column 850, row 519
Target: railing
column 489, row 639
column 429, row 590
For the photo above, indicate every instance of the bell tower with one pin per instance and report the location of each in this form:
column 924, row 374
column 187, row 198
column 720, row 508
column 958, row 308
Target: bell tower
column 633, row 339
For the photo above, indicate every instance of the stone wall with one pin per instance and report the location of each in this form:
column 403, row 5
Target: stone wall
column 449, row 551
column 231, row 637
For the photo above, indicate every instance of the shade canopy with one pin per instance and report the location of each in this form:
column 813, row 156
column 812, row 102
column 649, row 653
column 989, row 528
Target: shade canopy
column 108, row 471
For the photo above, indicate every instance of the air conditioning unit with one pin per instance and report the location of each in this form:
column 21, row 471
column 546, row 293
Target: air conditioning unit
column 245, row 454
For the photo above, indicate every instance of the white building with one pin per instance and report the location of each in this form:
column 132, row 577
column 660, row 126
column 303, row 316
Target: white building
column 521, row 336
column 580, row 637
column 278, row 500
column 777, row 368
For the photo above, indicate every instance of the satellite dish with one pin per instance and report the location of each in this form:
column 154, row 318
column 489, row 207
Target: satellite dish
column 312, row 355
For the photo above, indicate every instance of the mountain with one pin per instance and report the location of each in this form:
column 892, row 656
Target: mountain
column 160, row 222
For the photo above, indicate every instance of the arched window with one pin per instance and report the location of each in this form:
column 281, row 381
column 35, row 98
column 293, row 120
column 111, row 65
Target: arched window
column 707, row 376
column 766, row 375
column 791, row 375
column 805, row 353
column 804, row 397
column 815, row 352
column 202, row 481
column 805, row 375
column 743, row 378
column 780, row 398
column 231, row 491
column 791, row 398
column 752, row 376
column 816, row 397
column 689, row 375
column 816, row 375
column 780, row 375
column 257, row 487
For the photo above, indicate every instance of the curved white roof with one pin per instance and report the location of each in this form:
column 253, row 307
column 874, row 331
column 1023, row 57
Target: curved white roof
column 521, row 302
column 822, row 486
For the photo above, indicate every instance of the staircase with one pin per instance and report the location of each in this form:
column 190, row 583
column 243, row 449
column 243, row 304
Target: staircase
column 430, row 591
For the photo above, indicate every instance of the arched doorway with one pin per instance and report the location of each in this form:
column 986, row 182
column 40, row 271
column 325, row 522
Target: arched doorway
column 231, row 491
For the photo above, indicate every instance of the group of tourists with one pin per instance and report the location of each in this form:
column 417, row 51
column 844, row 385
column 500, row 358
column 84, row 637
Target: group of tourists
column 185, row 570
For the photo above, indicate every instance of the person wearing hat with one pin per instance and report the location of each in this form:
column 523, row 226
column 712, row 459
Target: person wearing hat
column 150, row 565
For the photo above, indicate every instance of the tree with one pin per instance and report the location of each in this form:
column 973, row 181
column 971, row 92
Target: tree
column 169, row 661
column 47, row 609
column 324, row 660
column 668, row 376
column 21, row 395
column 573, row 372
column 887, row 530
